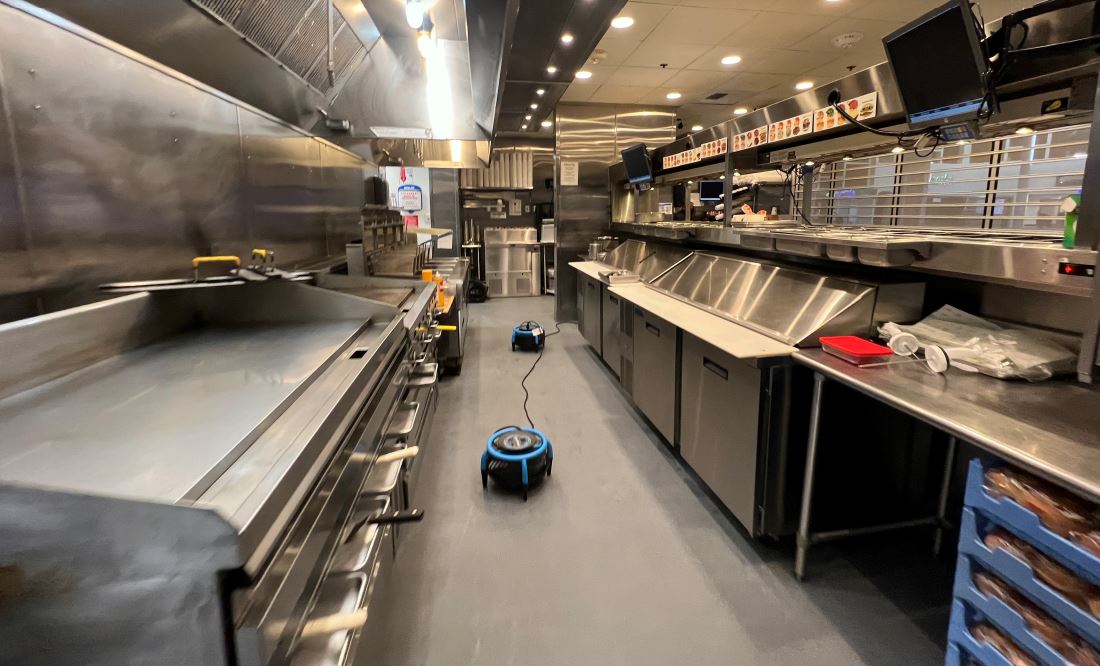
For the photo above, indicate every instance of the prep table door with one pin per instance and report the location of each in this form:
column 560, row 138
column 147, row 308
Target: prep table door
column 610, row 316
column 719, row 417
column 655, row 375
column 591, row 327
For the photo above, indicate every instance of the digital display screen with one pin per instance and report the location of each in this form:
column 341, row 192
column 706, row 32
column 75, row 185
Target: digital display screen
column 939, row 66
column 638, row 167
column 711, row 190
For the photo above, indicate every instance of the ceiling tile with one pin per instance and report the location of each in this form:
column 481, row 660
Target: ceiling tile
column 688, row 79
column 712, row 60
column 821, row 41
column 701, row 26
column 656, row 97
column 647, row 16
column 601, row 74
column 757, row 82
column 770, row 30
column 655, row 51
column 616, row 48
column 783, row 61
column 897, row 10
column 578, row 93
column 818, row 7
column 640, row 76
column 619, row 94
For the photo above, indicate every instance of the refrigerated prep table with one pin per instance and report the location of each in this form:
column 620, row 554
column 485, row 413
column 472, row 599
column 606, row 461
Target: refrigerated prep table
column 183, row 473
column 706, row 356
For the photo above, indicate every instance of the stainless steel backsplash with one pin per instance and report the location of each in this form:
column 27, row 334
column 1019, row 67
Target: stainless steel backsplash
column 114, row 167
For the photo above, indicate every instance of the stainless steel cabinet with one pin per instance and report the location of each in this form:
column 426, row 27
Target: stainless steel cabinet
column 656, row 377
column 512, row 263
column 719, row 417
column 588, row 300
column 610, row 335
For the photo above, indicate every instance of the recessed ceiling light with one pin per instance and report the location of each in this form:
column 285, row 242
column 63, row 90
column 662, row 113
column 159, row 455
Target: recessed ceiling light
column 1024, row 131
column 566, row 38
column 547, row 123
column 731, row 60
column 583, row 74
column 622, row 22
column 831, row 1
column 534, row 106
column 740, row 111
column 540, row 92
column 804, row 85
column 897, row 149
column 1080, row 156
column 962, row 142
column 527, row 117
column 551, row 70
column 846, row 158
column 673, row 95
column 691, row 182
column 524, row 126
column 696, row 128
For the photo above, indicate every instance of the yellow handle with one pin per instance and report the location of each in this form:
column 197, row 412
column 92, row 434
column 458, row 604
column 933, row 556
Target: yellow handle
column 198, row 261
column 262, row 254
column 443, row 327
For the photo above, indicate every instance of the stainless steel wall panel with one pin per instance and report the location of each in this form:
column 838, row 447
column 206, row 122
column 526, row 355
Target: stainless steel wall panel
column 283, row 199
column 446, row 208
column 117, row 183
column 128, row 170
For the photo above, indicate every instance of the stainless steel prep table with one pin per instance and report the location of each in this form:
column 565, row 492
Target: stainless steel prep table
column 1051, row 428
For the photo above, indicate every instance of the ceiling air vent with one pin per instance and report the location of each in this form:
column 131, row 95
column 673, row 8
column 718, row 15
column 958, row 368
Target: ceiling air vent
column 716, row 96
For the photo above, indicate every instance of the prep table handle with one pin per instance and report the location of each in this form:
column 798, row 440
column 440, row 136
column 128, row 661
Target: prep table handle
column 227, row 258
column 330, row 624
column 388, row 518
column 653, row 329
column 716, row 369
column 614, row 300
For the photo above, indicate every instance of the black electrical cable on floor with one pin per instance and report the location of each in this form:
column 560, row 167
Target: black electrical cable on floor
column 523, row 383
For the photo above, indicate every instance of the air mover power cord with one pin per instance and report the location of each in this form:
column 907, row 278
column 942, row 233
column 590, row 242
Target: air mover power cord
column 523, row 383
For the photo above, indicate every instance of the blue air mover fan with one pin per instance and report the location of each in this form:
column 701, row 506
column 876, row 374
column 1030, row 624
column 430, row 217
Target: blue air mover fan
column 517, row 458
column 528, row 336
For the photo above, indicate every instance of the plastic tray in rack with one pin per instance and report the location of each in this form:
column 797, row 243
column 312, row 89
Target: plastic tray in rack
column 1021, row 576
column 1025, row 524
column 959, row 637
column 1002, row 616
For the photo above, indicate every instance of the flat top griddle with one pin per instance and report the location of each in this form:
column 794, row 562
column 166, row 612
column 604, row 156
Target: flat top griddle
column 163, row 420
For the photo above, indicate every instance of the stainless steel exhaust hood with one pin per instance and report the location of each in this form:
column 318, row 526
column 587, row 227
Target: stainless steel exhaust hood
column 311, row 61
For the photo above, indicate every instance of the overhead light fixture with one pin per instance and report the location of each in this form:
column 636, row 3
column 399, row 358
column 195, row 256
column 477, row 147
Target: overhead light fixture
column 547, row 123
column 696, row 128
column 740, row 111
column 540, row 92
column 897, row 149
column 534, row 106
column 524, row 126
column 731, row 60
column 673, row 95
column 691, row 182
column 551, row 70
column 583, row 74
column 1080, row 156
column 804, row 85
column 527, row 117
column 962, row 142
column 566, row 38
column 1024, row 131
column 846, row 158
column 416, row 11
column 622, row 22
column 809, row 163
column 425, row 43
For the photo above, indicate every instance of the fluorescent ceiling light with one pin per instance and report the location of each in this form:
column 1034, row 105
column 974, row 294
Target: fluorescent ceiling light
column 673, row 95
column 731, row 60
column 804, row 85
column 622, row 22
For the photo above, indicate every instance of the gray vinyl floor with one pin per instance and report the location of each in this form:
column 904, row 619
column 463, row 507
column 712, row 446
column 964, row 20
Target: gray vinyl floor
column 619, row 558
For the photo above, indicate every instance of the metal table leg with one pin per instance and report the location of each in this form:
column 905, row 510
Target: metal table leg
column 808, row 479
column 941, row 510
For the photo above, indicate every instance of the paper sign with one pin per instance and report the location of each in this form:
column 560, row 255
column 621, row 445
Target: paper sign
column 410, row 197
column 570, row 174
column 710, row 149
column 860, row 108
column 751, row 139
column 789, row 128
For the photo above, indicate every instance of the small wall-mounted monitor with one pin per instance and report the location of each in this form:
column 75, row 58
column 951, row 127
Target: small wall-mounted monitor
column 711, row 190
column 940, row 66
column 639, row 169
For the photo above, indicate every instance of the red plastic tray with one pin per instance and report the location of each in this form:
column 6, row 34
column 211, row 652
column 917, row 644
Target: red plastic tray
column 855, row 349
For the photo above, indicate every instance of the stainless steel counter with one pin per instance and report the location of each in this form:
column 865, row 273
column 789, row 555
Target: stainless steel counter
column 1051, row 428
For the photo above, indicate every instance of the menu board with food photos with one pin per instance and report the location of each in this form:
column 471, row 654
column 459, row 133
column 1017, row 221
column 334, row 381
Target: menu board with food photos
column 860, row 108
column 715, row 148
column 791, row 127
column 751, row 139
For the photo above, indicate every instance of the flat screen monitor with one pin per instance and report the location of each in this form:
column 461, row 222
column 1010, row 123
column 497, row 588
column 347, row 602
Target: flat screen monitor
column 638, row 167
column 939, row 66
column 711, row 190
